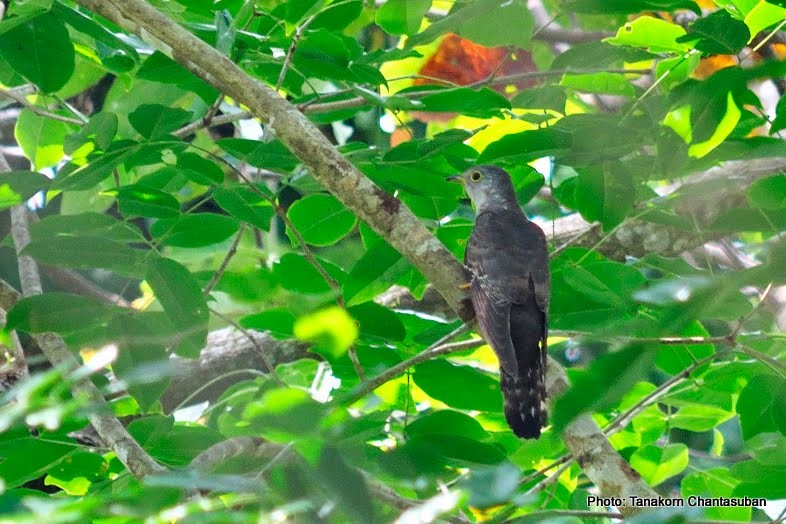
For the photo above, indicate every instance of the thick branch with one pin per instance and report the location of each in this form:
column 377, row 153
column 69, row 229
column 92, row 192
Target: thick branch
column 384, row 213
column 378, row 209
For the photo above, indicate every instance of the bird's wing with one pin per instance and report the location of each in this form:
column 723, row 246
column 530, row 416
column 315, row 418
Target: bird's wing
column 537, row 262
column 486, row 259
column 508, row 258
column 492, row 311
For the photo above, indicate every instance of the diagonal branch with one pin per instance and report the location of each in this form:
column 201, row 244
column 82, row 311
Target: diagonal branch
column 381, row 211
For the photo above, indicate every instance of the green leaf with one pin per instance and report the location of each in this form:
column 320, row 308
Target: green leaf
column 331, row 330
column 674, row 71
column 699, row 418
column 278, row 322
column 347, row 484
column 768, row 193
column 143, row 201
column 321, row 219
column 245, row 204
column 100, row 130
column 295, row 273
column 461, row 387
column 57, row 311
column 84, row 224
column 40, row 50
column 182, row 301
column 18, row 186
column 199, row 170
column 87, row 252
column 99, row 168
column 142, row 361
column 487, row 22
column 156, row 121
column 446, row 422
column 338, row 15
column 377, row 323
column 605, row 195
column 284, row 413
column 596, row 294
column 160, row 68
column 758, row 480
column 378, row 268
column 480, row 103
column 324, row 54
column 762, row 16
column 297, row 10
column 673, row 359
column 194, row 230
column 768, row 448
column 657, row 464
column 114, row 53
column 604, row 382
column 602, row 83
column 40, row 138
column 172, row 444
column 268, row 155
column 460, row 450
column 718, row 33
column 402, row 17
column 75, row 474
column 653, row 34
column 492, row 486
column 716, row 482
column 546, row 97
column 760, row 406
column 27, row 458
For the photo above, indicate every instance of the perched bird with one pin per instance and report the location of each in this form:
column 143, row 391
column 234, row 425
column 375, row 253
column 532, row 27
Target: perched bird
column 509, row 266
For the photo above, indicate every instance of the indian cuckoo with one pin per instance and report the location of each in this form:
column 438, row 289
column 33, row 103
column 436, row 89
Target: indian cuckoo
column 509, row 266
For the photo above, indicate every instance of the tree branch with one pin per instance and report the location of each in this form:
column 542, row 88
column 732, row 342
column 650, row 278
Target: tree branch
column 112, row 432
column 381, row 211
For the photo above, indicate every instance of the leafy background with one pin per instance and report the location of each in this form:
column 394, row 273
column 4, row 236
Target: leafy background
column 190, row 259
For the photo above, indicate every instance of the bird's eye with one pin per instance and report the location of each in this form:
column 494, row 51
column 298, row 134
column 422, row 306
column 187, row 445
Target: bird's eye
column 475, row 176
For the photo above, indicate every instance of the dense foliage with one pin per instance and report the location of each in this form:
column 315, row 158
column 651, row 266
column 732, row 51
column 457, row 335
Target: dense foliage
column 168, row 222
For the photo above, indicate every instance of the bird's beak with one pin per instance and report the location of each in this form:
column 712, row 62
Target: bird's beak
column 455, row 178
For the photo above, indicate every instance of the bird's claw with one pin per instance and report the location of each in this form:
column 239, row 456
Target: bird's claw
column 465, row 285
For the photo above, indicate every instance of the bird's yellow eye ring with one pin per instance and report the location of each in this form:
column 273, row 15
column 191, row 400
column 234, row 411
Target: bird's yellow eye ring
column 475, row 176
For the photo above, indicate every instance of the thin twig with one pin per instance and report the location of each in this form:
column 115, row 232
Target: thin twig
column 432, row 351
column 213, row 122
column 262, row 353
column 209, row 384
column 776, row 365
column 558, row 462
column 573, row 240
column 351, row 103
column 576, row 513
column 224, row 450
column 291, row 51
column 624, row 418
column 309, row 255
column 548, row 480
column 225, row 263
column 741, row 322
column 37, row 110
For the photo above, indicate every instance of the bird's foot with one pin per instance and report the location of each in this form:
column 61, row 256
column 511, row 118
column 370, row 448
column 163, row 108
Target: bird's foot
column 465, row 285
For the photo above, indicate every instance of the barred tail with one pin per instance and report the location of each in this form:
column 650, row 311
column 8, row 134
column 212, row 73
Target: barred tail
column 525, row 399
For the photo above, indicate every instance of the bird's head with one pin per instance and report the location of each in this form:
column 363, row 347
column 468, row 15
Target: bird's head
column 489, row 187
